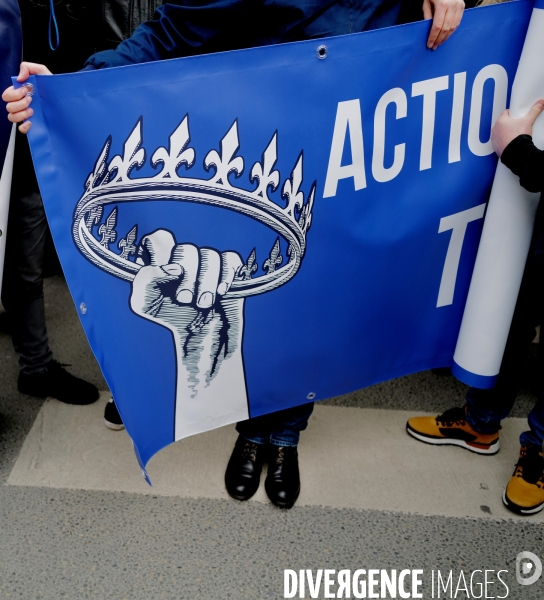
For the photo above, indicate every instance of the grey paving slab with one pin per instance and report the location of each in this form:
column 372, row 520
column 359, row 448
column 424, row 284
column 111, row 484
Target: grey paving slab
column 69, row 345
column 349, row 457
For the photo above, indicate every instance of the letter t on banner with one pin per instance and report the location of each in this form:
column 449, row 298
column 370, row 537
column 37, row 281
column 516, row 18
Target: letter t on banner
column 458, row 223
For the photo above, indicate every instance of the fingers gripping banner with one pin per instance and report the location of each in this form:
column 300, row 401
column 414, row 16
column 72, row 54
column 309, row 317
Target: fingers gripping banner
column 248, row 231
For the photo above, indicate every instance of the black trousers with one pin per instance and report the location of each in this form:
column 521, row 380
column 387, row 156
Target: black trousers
column 22, row 288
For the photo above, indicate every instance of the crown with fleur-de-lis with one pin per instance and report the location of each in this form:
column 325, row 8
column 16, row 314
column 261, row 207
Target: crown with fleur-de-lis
column 110, row 183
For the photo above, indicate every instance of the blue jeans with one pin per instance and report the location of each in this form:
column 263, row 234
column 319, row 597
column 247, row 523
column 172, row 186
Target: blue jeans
column 487, row 408
column 486, row 419
column 281, row 428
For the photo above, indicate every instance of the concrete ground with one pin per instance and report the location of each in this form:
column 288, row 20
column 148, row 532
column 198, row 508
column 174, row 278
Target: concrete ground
column 77, row 520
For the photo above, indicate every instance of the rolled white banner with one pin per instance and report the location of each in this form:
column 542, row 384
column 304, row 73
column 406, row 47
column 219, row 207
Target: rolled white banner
column 506, row 236
column 5, row 188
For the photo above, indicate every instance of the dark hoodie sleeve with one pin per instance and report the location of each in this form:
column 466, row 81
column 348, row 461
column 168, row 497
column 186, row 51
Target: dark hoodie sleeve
column 176, row 30
column 526, row 161
column 190, row 27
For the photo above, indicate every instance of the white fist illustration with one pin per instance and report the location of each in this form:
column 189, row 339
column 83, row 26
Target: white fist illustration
column 182, row 288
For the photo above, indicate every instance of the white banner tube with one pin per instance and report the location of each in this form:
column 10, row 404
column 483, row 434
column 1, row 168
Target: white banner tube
column 5, row 188
column 506, row 236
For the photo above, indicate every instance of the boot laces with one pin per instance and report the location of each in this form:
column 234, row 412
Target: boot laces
column 530, row 466
column 250, row 451
column 453, row 416
column 54, row 366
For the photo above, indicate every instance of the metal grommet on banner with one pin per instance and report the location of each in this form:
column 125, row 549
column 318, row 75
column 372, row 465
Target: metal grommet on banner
column 83, row 308
column 29, row 86
column 322, row 52
column 310, row 396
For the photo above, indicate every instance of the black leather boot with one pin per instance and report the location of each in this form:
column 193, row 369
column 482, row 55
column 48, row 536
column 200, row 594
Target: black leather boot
column 243, row 473
column 283, row 480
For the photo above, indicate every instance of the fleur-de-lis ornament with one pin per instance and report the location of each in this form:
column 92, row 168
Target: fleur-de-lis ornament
column 227, row 162
column 177, row 153
column 264, row 173
column 126, row 245
column 275, row 259
column 246, row 271
column 107, row 230
column 95, row 177
column 291, row 189
column 133, row 156
column 93, row 217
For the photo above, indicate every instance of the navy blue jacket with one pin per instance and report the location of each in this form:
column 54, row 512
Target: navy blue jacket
column 11, row 46
column 190, row 27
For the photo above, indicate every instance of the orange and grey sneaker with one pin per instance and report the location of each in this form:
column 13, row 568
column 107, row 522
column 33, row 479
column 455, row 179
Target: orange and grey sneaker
column 524, row 493
column 451, row 428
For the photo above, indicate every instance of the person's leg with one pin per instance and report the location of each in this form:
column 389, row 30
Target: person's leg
column 282, row 482
column 286, row 425
column 261, row 438
column 524, row 493
column 256, row 430
column 22, row 290
column 487, row 408
column 476, row 426
column 243, row 474
column 281, row 428
column 535, row 435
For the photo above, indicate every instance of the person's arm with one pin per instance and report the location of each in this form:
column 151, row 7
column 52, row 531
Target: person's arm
column 513, row 143
column 526, row 161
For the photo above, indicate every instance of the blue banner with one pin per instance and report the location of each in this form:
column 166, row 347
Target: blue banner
column 247, row 231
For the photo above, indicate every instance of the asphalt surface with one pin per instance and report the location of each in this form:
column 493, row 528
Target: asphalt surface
column 77, row 544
